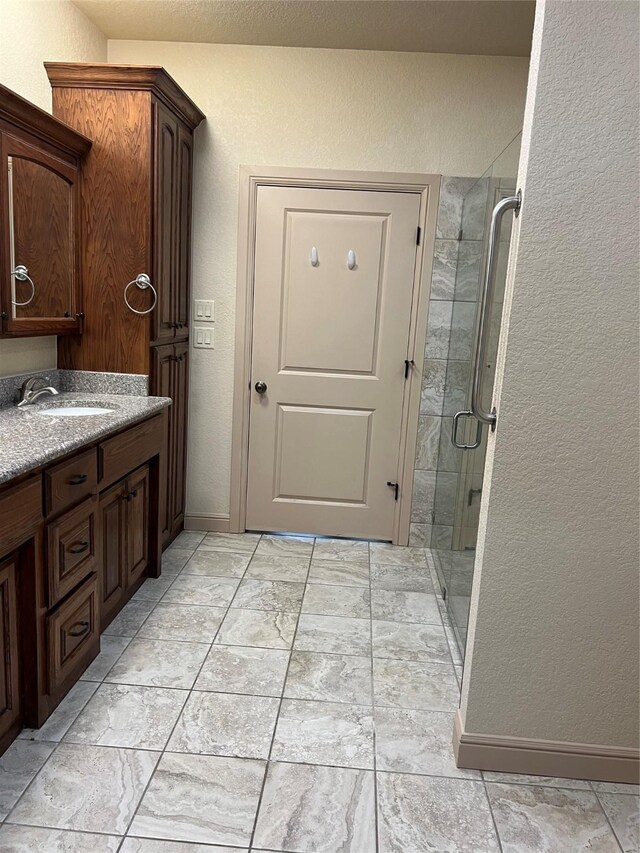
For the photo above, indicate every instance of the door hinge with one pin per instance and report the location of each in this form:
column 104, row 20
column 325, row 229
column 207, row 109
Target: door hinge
column 408, row 364
column 395, row 487
column 418, row 235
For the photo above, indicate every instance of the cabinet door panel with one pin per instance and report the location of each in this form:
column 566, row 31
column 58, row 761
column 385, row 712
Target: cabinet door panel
column 161, row 386
column 179, row 396
column 113, row 573
column 137, row 521
column 183, row 233
column 9, row 673
column 165, row 219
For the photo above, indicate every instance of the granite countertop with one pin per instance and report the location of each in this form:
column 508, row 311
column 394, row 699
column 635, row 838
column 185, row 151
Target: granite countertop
column 29, row 440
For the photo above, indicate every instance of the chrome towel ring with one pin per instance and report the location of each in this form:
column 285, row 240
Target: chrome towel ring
column 21, row 273
column 143, row 282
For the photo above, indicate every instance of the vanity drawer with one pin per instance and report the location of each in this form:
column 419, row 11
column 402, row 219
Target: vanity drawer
column 72, row 549
column 71, row 481
column 121, row 454
column 73, row 634
column 20, row 513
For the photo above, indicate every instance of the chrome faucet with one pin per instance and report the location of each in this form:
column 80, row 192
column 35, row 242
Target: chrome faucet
column 29, row 394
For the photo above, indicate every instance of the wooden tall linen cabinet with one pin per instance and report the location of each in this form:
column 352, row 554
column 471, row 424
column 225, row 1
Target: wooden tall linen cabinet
column 136, row 219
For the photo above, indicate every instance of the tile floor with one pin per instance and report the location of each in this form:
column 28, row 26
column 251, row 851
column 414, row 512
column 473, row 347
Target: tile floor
column 283, row 694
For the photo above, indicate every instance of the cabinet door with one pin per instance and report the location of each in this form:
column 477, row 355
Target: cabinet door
column 161, row 386
column 41, row 293
column 165, row 220
column 183, row 233
column 179, row 433
column 137, row 521
column 9, row 672
column 113, row 579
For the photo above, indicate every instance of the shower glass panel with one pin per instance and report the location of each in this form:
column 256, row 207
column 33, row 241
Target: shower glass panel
column 459, row 476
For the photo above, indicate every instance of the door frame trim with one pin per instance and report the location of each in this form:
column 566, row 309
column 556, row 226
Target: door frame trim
column 253, row 177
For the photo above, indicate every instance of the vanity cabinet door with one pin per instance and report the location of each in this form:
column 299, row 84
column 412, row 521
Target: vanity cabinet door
column 137, row 522
column 179, row 433
column 40, row 287
column 9, row 666
column 113, row 576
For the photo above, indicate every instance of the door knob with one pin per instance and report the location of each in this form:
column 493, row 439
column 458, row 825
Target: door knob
column 261, row 387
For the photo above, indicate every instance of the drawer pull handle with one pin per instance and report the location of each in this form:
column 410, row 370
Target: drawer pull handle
column 80, row 548
column 77, row 481
column 78, row 629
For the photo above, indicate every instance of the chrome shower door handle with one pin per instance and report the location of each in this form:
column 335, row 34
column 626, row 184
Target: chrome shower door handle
column 454, row 432
column 512, row 203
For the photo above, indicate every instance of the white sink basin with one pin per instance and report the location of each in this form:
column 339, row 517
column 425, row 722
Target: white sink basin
column 74, row 411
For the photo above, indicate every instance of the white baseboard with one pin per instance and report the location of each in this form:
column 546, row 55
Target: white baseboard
column 210, row 523
column 545, row 757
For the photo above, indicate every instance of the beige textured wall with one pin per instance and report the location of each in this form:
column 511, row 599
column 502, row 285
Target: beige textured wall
column 31, row 32
column 321, row 109
column 553, row 649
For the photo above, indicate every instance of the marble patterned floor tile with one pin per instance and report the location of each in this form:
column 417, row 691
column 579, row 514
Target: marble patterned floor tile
column 155, row 845
column 285, row 546
column 87, row 788
column 19, row 764
column 531, row 819
column 270, row 629
column 615, row 788
column 327, row 600
column 270, row 567
column 623, row 812
column 154, row 588
column 159, row 663
column 404, row 641
column 236, row 543
column 128, row 716
column 393, row 555
column 226, row 724
column 188, row 622
column 187, row 540
column 340, row 572
column 33, row 839
column 317, row 810
column 324, row 733
column 174, row 560
column 110, row 650
column 205, row 799
column 417, row 742
column 199, row 589
column 55, row 728
column 219, row 564
column 240, row 669
column 130, row 619
column 400, row 606
column 400, row 578
column 269, row 595
column 420, row 813
column 543, row 781
column 335, row 634
column 329, row 678
column 415, row 685
column 351, row 550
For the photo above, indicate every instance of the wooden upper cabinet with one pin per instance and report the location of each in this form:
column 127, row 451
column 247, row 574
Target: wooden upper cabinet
column 136, row 209
column 40, row 253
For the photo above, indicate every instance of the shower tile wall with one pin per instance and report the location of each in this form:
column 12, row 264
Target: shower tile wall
column 447, row 357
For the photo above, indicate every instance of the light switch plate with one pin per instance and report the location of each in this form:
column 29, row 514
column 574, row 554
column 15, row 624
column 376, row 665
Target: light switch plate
column 202, row 337
column 203, row 310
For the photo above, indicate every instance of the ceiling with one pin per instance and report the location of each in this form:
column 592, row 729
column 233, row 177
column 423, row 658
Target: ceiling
column 489, row 27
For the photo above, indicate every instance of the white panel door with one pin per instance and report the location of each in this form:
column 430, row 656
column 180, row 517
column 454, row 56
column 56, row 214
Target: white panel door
column 333, row 288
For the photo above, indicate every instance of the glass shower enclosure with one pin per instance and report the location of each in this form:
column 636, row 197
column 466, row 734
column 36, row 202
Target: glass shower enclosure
column 459, row 476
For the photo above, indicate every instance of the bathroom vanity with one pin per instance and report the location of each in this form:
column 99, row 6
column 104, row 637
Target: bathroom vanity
column 79, row 533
